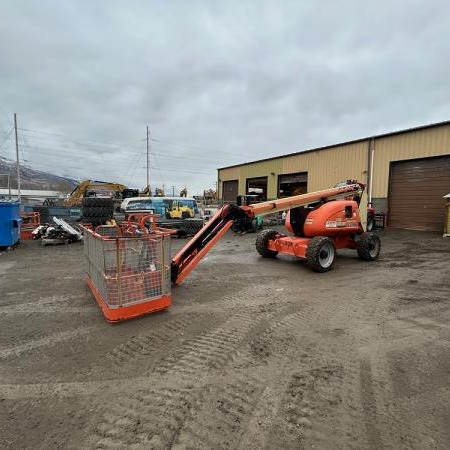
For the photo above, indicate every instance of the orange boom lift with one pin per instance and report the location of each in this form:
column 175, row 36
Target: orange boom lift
column 130, row 273
column 320, row 222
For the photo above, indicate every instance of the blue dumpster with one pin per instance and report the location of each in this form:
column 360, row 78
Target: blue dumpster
column 9, row 223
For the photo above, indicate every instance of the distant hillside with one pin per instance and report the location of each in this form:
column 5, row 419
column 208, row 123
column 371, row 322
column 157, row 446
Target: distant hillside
column 33, row 179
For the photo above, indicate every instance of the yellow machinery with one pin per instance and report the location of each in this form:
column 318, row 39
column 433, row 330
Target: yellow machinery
column 180, row 210
column 92, row 188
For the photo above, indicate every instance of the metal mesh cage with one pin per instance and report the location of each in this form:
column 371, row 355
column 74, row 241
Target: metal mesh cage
column 127, row 270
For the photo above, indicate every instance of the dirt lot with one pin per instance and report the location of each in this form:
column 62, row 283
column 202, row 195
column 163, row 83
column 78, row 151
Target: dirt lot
column 254, row 353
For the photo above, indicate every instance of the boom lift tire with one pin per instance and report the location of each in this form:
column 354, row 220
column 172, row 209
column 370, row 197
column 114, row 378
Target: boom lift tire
column 368, row 246
column 261, row 243
column 321, row 254
column 370, row 223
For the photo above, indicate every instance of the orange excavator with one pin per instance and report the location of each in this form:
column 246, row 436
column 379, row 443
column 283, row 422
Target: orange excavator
column 320, row 222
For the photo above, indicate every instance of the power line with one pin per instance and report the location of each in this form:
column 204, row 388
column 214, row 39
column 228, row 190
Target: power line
column 121, row 146
column 181, row 144
column 57, row 152
column 77, row 139
column 6, row 115
column 7, row 136
column 51, row 158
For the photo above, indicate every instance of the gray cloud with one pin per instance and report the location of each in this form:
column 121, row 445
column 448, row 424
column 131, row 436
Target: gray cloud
column 220, row 83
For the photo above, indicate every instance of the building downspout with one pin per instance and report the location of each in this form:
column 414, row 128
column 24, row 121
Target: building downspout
column 219, row 189
column 371, row 152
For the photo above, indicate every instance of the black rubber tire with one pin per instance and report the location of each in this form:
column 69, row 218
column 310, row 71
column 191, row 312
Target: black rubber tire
column 97, row 211
column 89, row 202
column 261, row 243
column 321, row 254
column 370, row 223
column 254, row 226
column 192, row 226
column 368, row 246
column 102, row 211
column 106, row 203
column 97, row 202
column 96, row 221
column 90, row 211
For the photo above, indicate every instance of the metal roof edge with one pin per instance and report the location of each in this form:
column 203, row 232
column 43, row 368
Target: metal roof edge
column 354, row 141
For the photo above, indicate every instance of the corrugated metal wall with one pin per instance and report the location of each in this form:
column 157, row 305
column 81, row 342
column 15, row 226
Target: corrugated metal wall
column 329, row 166
column 324, row 168
column 415, row 144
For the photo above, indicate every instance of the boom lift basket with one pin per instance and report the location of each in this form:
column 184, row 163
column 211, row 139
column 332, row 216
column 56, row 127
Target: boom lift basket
column 128, row 270
column 30, row 221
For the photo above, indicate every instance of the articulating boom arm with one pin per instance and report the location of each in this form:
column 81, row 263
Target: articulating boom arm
column 295, row 201
column 191, row 254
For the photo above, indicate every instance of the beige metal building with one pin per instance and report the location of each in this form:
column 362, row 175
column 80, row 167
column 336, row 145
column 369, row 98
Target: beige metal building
column 407, row 174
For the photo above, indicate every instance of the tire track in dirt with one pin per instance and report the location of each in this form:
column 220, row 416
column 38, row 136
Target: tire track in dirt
column 45, row 341
column 181, row 325
column 221, row 414
column 208, row 350
column 51, row 304
column 318, row 406
column 193, row 364
column 227, row 410
column 16, row 310
column 386, row 422
column 405, row 326
column 335, row 375
column 148, row 342
column 227, row 406
column 138, row 420
column 268, row 359
column 371, row 414
column 69, row 389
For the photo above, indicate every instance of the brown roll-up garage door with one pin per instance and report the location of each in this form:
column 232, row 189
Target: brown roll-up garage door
column 416, row 189
column 230, row 190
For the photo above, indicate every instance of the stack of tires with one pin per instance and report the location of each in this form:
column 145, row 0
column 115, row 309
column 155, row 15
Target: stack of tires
column 191, row 226
column 97, row 211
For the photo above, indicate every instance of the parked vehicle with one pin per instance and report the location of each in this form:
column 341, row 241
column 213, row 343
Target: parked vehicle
column 181, row 213
column 207, row 212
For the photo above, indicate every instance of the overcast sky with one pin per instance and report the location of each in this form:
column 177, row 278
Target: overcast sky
column 218, row 82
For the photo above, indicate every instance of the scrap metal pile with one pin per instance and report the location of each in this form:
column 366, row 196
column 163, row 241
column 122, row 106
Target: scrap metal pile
column 58, row 233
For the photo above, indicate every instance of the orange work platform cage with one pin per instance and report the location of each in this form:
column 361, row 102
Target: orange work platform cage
column 128, row 269
column 30, row 221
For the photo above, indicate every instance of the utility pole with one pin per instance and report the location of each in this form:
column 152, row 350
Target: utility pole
column 17, row 157
column 148, row 161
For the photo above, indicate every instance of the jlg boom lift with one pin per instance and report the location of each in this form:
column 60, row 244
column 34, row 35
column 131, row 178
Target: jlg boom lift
column 127, row 266
column 320, row 222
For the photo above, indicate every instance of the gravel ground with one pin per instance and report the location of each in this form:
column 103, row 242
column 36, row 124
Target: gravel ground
column 254, row 353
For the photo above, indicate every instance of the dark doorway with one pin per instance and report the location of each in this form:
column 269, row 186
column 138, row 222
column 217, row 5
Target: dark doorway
column 257, row 186
column 292, row 184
